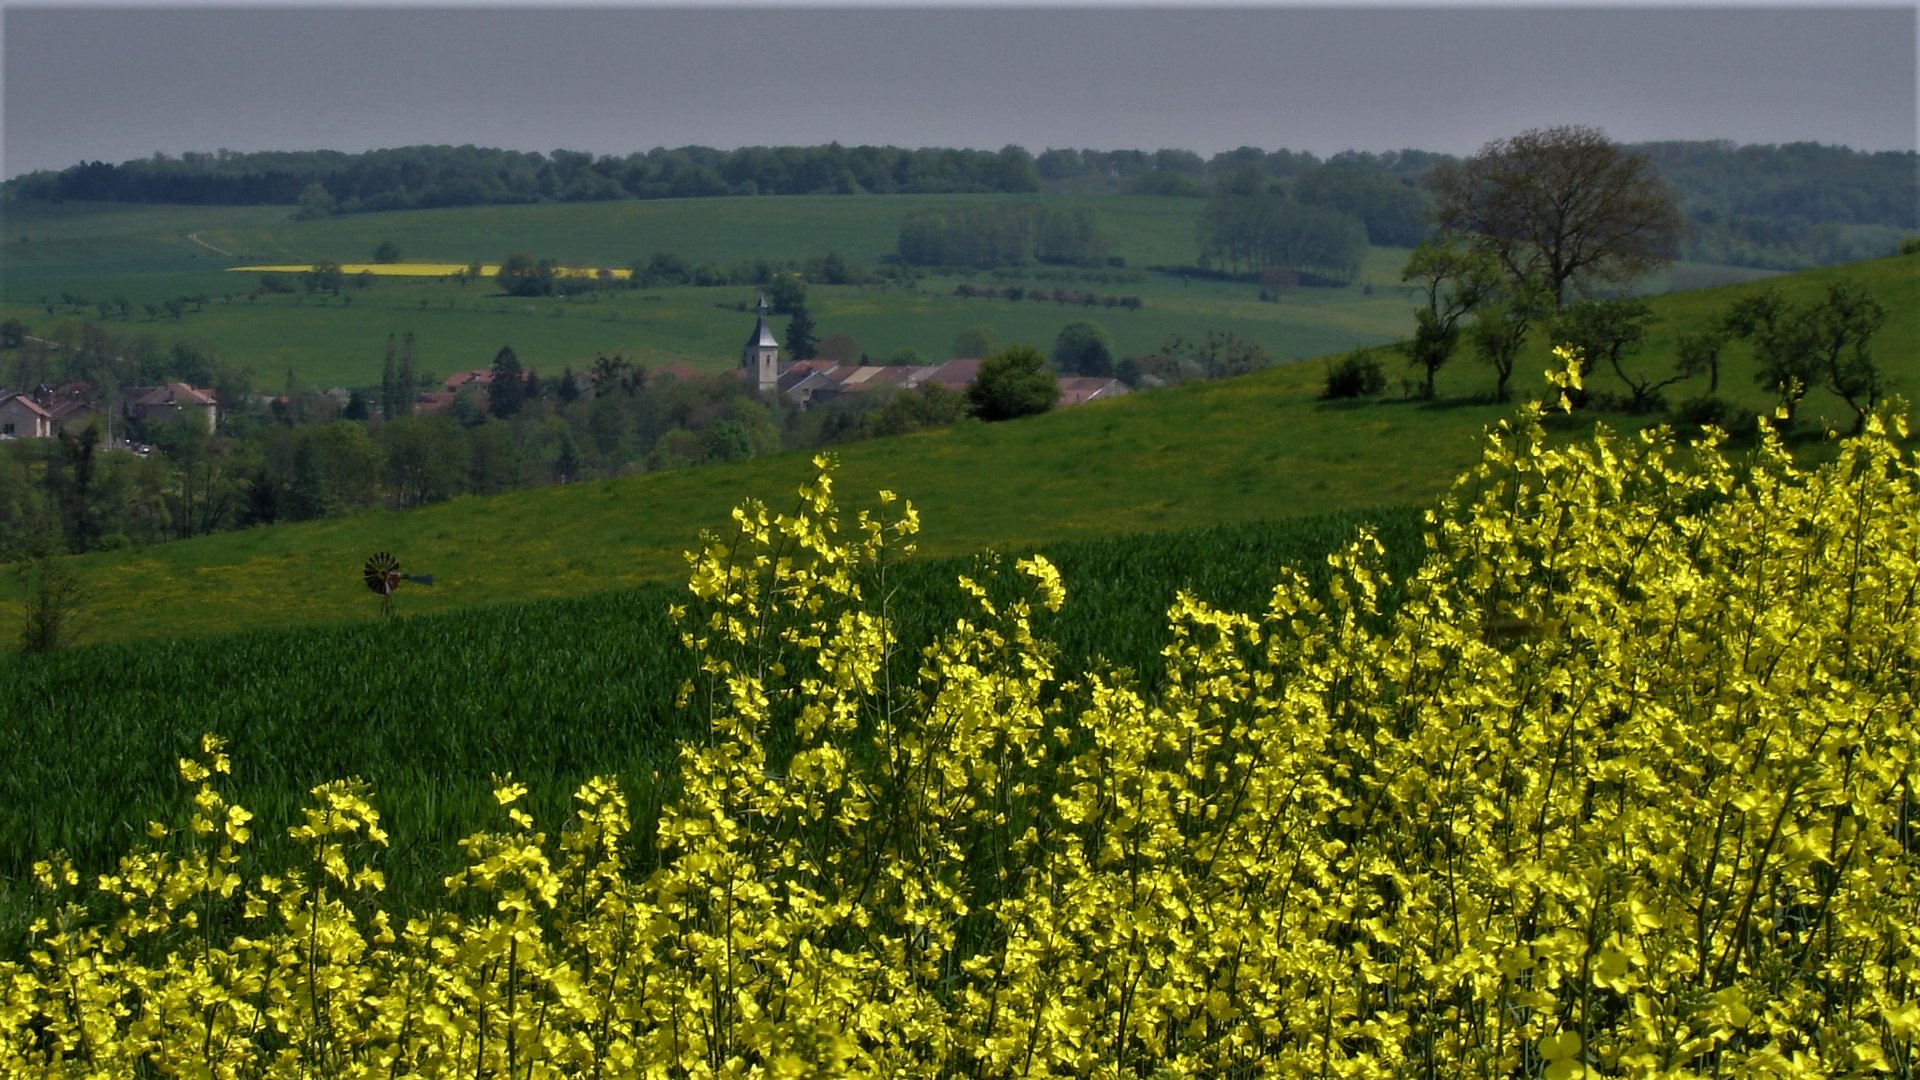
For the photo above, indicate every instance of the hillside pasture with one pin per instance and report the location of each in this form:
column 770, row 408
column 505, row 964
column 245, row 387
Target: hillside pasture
column 1261, row 447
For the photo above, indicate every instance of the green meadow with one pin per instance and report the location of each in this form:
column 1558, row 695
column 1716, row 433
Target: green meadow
column 150, row 254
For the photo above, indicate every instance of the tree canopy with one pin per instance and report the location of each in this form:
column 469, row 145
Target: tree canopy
column 1012, row 383
column 1083, row 348
column 1249, row 230
column 522, row 275
column 1561, row 207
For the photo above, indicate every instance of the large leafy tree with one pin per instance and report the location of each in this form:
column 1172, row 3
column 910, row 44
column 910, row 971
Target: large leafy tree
column 1012, row 383
column 1560, row 208
column 1083, row 348
column 523, row 275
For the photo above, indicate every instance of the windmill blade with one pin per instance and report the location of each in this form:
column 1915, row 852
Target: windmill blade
column 381, row 572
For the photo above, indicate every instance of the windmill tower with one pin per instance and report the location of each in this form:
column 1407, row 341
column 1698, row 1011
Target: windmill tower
column 761, row 357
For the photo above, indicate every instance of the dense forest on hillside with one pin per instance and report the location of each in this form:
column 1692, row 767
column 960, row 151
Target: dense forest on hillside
column 1774, row 207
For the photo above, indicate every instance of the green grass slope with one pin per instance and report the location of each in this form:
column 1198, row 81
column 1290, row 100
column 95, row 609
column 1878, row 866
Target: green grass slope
column 1257, row 448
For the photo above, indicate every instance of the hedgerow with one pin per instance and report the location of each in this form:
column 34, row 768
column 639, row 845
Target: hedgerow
column 1622, row 785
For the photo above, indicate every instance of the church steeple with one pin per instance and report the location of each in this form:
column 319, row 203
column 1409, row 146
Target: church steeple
column 761, row 357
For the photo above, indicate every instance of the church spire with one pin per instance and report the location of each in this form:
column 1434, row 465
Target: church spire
column 761, row 358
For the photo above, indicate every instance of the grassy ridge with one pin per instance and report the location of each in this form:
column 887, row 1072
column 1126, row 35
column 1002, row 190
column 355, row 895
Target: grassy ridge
column 428, row 709
column 1256, row 448
column 1251, row 449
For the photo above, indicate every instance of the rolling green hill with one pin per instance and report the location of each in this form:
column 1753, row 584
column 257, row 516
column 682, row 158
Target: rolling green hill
column 543, row 648
column 1256, row 448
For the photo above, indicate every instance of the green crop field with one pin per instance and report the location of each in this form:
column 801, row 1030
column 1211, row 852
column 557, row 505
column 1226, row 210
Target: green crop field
column 428, row 709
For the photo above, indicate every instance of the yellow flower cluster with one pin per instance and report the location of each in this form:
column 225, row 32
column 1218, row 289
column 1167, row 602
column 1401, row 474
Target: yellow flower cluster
column 1623, row 784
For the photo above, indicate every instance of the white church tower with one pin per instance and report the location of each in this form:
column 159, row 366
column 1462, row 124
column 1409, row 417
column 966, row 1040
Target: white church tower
column 761, row 358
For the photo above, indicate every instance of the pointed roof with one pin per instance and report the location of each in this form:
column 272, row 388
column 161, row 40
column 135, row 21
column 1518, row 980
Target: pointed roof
column 762, row 336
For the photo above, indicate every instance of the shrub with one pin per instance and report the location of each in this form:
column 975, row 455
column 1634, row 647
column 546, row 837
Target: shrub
column 54, row 597
column 1012, row 383
column 1356, row 375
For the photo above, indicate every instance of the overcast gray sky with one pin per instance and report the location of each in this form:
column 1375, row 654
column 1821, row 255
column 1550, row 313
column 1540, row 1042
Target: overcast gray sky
column 111, row 83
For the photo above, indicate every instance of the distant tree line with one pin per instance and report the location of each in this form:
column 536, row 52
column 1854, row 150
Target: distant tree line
column 423, row 177
column 1775, row 207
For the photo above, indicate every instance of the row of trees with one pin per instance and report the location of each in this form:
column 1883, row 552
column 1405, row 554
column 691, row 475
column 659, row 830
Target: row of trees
column 1532, row 227
column 1063, row 297
column 323, row 182
column 988, row 236
column 1247, row 227
column 522, row 274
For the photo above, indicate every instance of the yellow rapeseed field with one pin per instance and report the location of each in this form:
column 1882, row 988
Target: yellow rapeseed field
column 1625, row 786
column 424, row 269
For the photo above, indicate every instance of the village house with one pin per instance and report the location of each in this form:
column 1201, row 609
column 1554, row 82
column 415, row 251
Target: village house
column 49, row 410
column 473, row 382
column 1075, row 389
column 73, row 406
column 23, row 418
column 158, row 405
column 75, row 415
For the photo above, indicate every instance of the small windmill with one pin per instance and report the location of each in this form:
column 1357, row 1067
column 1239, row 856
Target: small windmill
column 383, row 576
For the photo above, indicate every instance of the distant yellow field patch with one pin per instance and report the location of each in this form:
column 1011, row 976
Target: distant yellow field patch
column 421, row 269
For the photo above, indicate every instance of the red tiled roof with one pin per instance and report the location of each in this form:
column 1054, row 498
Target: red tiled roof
column 955, row 374
column 27, row 403
column 177, row 393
